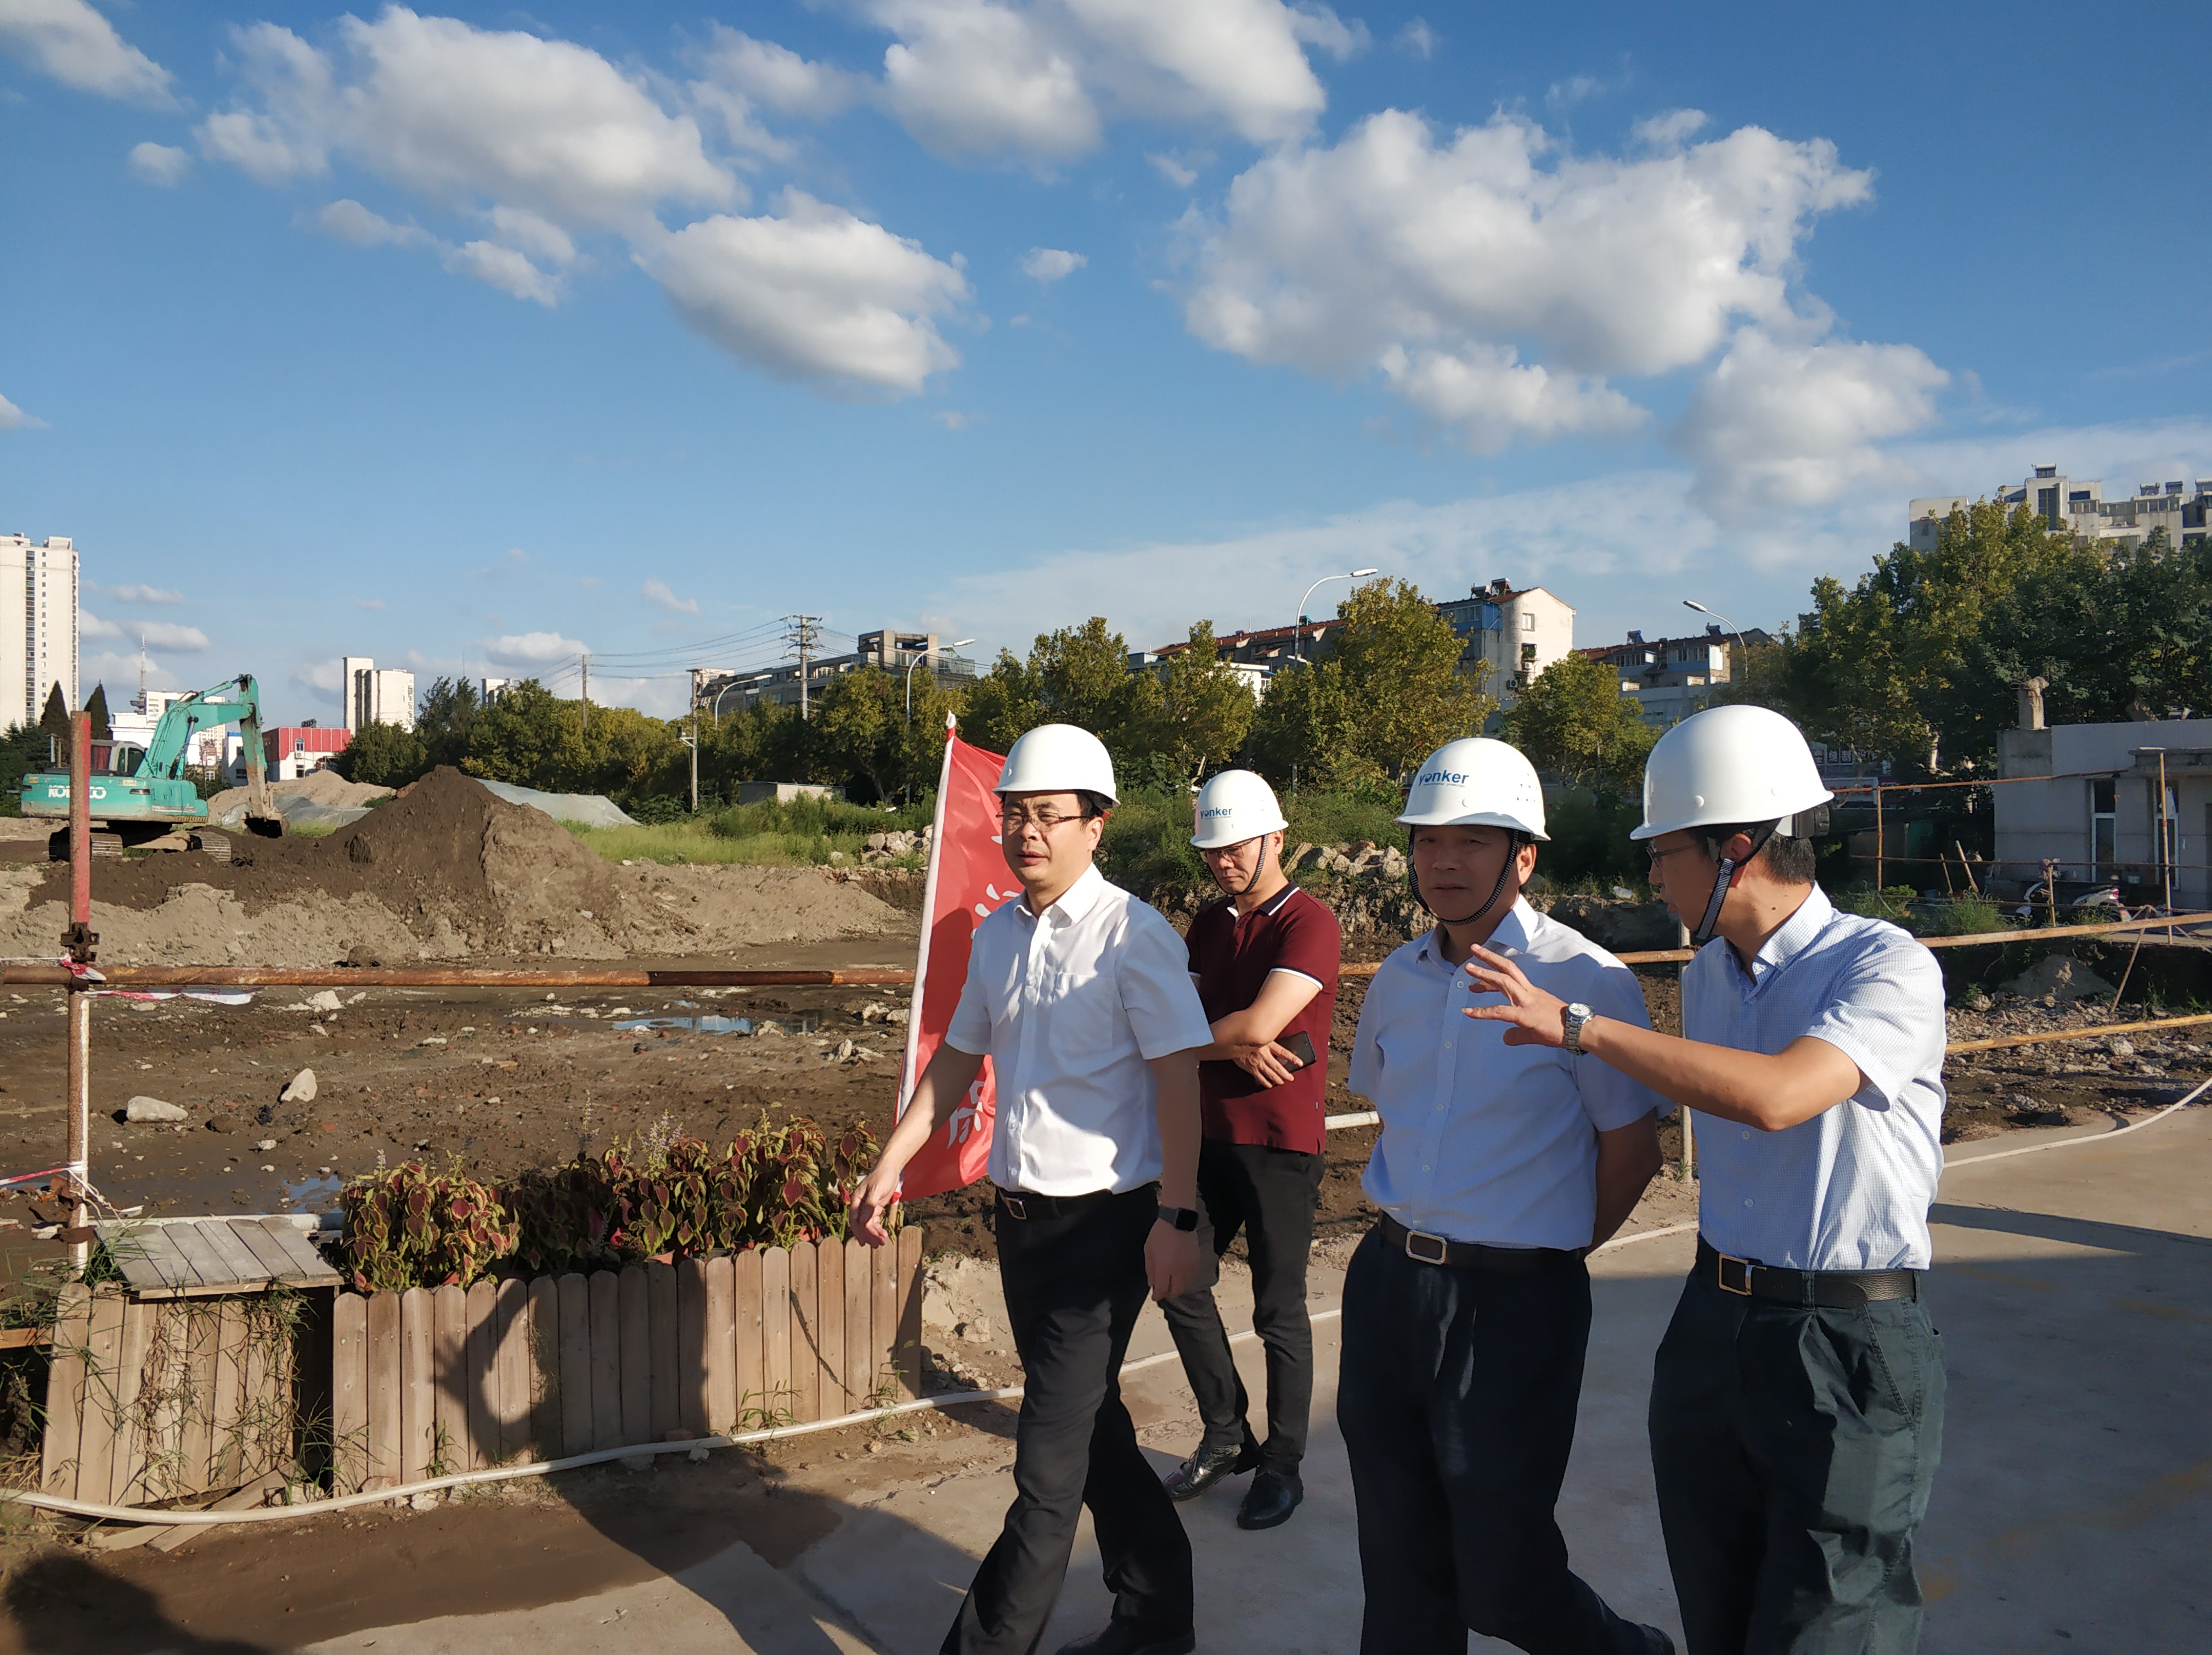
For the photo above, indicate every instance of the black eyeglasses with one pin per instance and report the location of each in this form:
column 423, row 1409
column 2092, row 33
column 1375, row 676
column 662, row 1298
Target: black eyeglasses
column 1012, row 818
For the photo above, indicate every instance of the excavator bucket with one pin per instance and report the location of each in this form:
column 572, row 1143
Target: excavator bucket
column 270, row 826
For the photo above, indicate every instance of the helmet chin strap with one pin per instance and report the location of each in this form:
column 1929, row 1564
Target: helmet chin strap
column 1722, row 876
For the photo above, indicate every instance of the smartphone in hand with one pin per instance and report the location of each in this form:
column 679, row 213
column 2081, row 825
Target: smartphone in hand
column 1300, row 1045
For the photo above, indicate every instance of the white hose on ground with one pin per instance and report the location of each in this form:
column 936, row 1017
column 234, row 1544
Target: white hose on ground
column 866, row 1416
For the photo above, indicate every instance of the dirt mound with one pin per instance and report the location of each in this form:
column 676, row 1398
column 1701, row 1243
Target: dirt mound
column 505, row 877
column 326, row 787
column 446, row 871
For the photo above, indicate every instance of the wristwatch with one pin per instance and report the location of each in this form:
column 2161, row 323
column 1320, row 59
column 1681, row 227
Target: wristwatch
column 1570, row 1025
column 1183, row 1217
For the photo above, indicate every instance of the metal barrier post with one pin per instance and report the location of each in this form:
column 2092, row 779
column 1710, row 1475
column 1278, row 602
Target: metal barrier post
column 78, row 940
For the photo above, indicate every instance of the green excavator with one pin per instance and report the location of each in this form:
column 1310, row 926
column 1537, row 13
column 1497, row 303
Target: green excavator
column 141, row 800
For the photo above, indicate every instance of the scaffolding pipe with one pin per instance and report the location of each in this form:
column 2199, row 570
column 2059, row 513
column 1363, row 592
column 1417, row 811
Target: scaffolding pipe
column 78, row 939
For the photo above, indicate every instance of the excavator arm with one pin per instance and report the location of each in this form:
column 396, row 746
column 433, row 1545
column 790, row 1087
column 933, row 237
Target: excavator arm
column 234, row 700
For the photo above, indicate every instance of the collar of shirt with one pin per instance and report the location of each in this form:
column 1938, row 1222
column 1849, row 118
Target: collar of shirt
column 1078, row 900
column 1791, row 938
column 1510, row 937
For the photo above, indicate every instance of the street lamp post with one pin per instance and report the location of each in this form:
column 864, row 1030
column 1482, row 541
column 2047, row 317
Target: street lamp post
column 1298, row 633
column 957, row 643
column 715, row 706
column 1742, row 654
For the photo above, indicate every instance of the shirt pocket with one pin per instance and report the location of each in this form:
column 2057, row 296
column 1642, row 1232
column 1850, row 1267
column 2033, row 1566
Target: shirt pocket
column 1086, row 1018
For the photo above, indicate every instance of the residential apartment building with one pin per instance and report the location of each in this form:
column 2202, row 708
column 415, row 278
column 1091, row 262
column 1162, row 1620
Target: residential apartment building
column 37, row 625
column 1673, row 678
column 2079, row 505
column 1516, row 632
column 374, row 696
column 292, row 751
column 893, row 650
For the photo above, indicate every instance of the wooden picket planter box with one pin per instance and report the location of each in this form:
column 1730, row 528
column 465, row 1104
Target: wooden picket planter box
column 159, row 1399
column 434, row 1381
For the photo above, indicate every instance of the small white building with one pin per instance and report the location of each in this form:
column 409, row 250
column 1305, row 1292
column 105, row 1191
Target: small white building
column 1515, row 631
column 375, row 697
column 2099, row 799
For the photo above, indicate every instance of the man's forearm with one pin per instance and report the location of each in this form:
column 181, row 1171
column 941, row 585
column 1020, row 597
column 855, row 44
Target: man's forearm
column 1748, row 1088
column 1622, row 1179
column 950, row 1067
column 1175, row 1089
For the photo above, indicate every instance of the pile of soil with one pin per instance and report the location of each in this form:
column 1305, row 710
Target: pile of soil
column 324, row 786
column 445, row 871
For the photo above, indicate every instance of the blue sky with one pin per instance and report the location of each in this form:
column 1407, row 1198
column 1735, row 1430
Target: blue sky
column 476, row 339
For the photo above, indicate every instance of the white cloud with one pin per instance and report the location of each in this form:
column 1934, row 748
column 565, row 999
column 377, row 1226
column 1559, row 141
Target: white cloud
column 952, row 420
column 816, row 294
column 968, row 77
column 1237, row 62
column 349, row 220
column 510, row 272
column 1670, row 130
column 77, row 47
column 1417, row 39
column 532, row 648
column 167, row 635
column 467, row 116
column 1786, row 425
column 739, row 74
column 13, row 418
column 1490, row 398
column 540, row 237
column 1050, row 264
column 367, row 603
column 130, row 593
column 1174, row 170
column 160, row 164
column 1497, row 285
column 89, row 625
column 323, row 677
column 656, row 593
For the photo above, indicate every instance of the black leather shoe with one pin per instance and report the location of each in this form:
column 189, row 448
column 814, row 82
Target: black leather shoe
column 1270, row 1500
column 1661, row 1643
column 1209, row 1466
column 1127, row 1638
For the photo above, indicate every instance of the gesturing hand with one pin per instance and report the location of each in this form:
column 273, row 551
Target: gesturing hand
column 1532, row 1017
column 876, row 1195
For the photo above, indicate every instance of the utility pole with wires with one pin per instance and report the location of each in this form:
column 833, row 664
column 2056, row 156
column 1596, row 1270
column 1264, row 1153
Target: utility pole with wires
column 805, row 633
column 584, row 666
column 698, row 676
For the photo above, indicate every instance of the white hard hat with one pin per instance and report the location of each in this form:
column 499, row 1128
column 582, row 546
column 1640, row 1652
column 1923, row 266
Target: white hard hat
column 1476, row 782
column 1059, row 759
column 1232, row 807
column 1728, row 765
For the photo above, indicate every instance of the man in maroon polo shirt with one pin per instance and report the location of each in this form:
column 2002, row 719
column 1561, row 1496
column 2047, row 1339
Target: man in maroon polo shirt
column 1265, row 957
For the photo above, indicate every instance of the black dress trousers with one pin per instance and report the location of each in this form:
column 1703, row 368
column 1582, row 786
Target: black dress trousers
column 1794, row 1450
column 1073, row 1288
column 1457, row 1400
column 1269, row 1194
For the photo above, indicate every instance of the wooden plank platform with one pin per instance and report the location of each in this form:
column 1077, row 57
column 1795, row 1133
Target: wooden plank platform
column 195, row 1257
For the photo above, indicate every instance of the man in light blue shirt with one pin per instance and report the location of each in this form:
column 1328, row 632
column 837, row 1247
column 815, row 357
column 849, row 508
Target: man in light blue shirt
column 1797, row 1399
column 1467, row 1309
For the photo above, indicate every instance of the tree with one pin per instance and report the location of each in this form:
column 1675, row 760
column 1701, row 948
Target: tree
column 55, row 721
column 1078, row 675
column 1205, row 707
column 448, row 712
column 1387, row 693
column 1574, row 721
column 96, row 708
column 859, row 729
column 382, row 756
column 1003, row 705
column 528, row 737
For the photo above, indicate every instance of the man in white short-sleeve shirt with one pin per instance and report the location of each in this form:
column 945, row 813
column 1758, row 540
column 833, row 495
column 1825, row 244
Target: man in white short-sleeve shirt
column 1467, row 1309
column 1080, row 995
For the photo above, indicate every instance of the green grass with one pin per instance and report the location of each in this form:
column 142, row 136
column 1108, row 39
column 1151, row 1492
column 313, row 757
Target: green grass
column 695, row 840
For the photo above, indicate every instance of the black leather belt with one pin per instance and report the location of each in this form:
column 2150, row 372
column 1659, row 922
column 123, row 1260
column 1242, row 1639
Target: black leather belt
column 1807, row 1289
column 1021, row 1204
column 1425, row 1249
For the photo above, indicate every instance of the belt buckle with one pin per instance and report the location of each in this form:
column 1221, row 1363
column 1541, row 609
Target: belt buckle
column 1013, row 1205
column 1442, row 1246
column 1721, row 1274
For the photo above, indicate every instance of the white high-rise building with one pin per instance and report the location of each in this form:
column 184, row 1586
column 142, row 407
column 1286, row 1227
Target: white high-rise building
column 37, row 625
column 376, row 697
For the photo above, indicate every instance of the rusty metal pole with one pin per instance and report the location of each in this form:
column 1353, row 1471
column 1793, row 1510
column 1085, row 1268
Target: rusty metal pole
column 78, row 941
column 1877, row 838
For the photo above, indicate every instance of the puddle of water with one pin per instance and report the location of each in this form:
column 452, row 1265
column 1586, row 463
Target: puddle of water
column 312, row 1195
column 708, row 1023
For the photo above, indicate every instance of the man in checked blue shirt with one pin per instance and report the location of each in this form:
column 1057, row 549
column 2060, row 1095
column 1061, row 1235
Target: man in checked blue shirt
column 1797, row 1399
column 1467, row 1309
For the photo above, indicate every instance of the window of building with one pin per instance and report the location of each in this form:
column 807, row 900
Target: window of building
column 1528, row 653
column 2104, row 810
column 1527, row 621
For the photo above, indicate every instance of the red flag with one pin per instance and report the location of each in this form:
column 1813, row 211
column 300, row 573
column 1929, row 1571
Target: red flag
column 967, row 878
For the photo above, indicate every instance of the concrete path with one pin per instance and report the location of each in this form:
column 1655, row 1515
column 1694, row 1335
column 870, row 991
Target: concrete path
column 2073, row 1511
